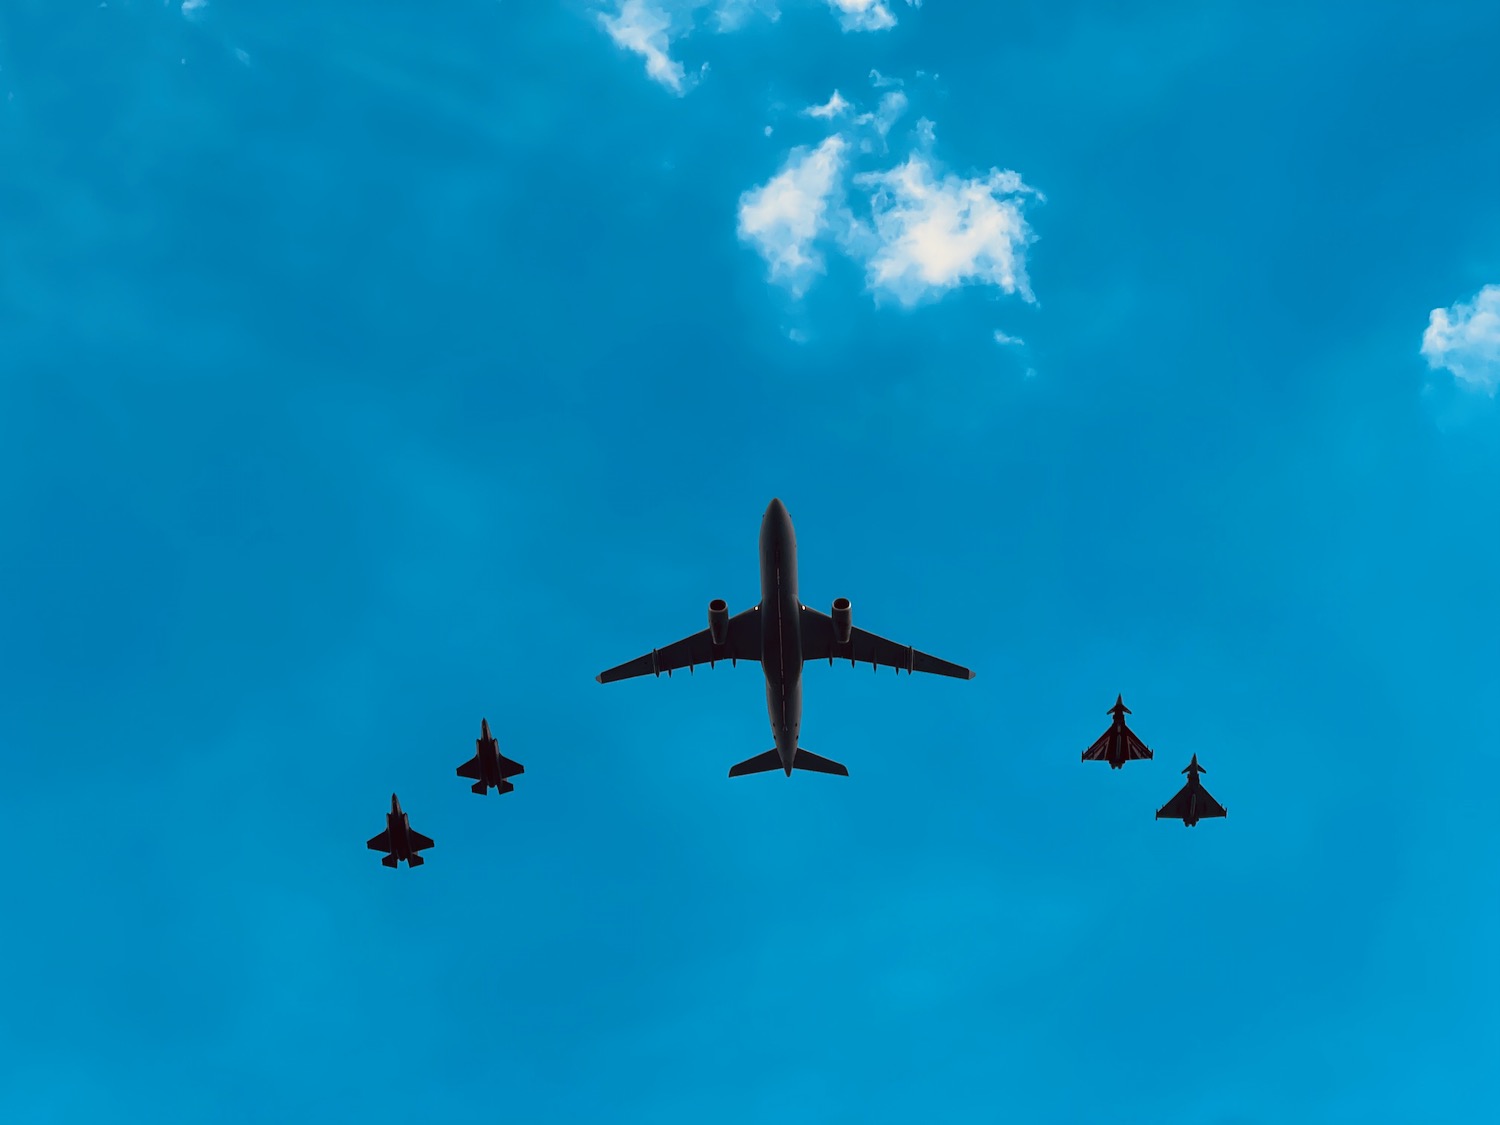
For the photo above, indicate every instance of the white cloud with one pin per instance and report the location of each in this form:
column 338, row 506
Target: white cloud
column 193, row 9
column 931, row 234
column 866, row 15
column 926, row 232
column 829, row 109
column 891, row 107
column 1004, row 338
column 731, row 15
column 644, row 27
column 784, row 216
column 1465, row 339
column 877, row 79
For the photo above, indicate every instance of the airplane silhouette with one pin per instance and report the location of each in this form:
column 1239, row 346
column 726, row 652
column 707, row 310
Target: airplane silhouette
column 782, row 634
column 1192, row 802
column 1118, row 744
column 488, row 767
column 399, row 839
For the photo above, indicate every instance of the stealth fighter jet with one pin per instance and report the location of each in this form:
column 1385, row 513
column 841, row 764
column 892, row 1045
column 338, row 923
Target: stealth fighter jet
column 399, row 839
column 488, row 767
column 1192, row 802
column 1118, row 744
column 782, row 634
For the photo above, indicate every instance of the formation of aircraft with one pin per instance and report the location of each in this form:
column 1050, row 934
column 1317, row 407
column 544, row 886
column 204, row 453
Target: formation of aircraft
column 488, row 767
column 1119, row 745
column 782, row 634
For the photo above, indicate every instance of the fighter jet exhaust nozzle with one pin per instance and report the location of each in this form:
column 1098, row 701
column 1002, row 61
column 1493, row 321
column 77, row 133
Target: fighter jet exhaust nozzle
column 718, row 621
column 843, row 620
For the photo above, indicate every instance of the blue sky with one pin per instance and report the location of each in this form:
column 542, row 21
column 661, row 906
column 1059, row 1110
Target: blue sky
column 364, row 372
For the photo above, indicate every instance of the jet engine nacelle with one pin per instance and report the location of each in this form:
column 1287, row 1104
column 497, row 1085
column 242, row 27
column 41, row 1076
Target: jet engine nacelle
column 843, row 622
column 718, row 621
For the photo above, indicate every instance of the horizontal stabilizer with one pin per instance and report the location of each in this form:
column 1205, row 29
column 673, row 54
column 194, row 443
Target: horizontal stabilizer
column 415, row 860
column 807, row 760
column 388, row 860
column 770, row 760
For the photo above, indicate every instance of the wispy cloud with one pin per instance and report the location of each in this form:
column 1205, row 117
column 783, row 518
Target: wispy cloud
column 784, row 217
column 829, row 109
column 644, row 27
column 1465, row 339
column 866, row 15
column 649, row 27
column 1004, row 339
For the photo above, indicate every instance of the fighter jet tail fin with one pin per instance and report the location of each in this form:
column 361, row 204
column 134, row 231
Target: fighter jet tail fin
column 807, row 760
column 770, row 760
column 504, row 787
column 388, row 860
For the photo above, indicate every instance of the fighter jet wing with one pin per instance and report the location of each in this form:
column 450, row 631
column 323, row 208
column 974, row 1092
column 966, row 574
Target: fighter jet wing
column 1135, row 749
column 381, row 843
column 818, row 644
column 1207, row 806
column 1177, row 808
column 417, row 840
column 742, row 643
column 470, row 769
column 1188, row 805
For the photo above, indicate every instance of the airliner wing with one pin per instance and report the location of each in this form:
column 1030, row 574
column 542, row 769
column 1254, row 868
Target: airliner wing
column 818, row 644
column 743, row 643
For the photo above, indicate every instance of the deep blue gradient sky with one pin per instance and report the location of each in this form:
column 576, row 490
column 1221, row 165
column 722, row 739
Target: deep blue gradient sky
column 366, row 370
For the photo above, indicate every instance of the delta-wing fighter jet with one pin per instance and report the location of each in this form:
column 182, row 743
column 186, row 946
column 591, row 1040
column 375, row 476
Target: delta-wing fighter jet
column 399, row 839
column 1118, row 744
column 1192, row 802
column 782, row 634
column 488, row 767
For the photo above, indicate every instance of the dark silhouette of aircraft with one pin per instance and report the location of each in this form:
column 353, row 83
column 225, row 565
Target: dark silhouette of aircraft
column 1192, row 802
column 782, row 634
column 399, row 839
column 488, row 767
column 1118, row 744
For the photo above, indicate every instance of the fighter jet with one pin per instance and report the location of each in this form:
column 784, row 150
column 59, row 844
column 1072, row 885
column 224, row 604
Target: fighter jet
column 782, row 634
column 1192, row 802
column 1118, row 744
column 399, row 839
column 488, row 767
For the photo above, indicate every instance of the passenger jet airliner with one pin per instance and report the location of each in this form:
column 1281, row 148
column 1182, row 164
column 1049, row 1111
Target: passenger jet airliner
column 782, row 634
